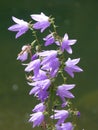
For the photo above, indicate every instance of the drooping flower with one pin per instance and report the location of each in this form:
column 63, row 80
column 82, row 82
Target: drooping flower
column 42, row 75
column 71, row 66
column 42, row 21
column 48, row 56
column 40, row 89
column 63, row 92
column 49, row 39
column 39, row 108
column 50, row 62
column 66, row 44
column 52, row 67
column 48, row 53
column 37, row 118
column 23, row 55
column 39, row 93
column 65, row 126
column 43, row 95
column 21, row 26
column 42, row 84
column 33, row 65
column 61, row 115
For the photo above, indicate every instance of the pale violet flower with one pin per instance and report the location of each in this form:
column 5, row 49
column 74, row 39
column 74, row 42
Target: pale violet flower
column 23, row 55
column 71, row 66
column 40, row 89
column 52, row 66
column 42, row 84
column 42, row 21
column 20, row 27
column 33, row 65
column 39, row 107
column 66, row 44
column 50, row 63
column 42, row 75
column 63, row 91
column 49, row 39
column 65, row 126
column 61, row 115
column 37, row 118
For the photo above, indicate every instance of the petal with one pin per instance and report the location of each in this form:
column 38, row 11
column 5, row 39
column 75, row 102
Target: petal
column 69, row 71
column 39, row 17
column 77, row 69
column 15, row 27
column 75, row 61
column 16, row 20
column 72, row 42
column 68, row 86
column 65, row 37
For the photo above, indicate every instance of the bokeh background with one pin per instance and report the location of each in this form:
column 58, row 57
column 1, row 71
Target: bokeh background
column 79, row 18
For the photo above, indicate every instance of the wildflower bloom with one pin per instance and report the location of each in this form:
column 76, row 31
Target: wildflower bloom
column 40, row 76
column 43, row 95
column 48, row 56
column 23, row 55
column 71, row 66
column 64, row 126
column 40, row 89
column 52, row 66
column 66, row 43
column 42, row 21
column 67, row 126
column 33, row 65
column 61, row 115
column 39, row 108
column 63, row 92
column 50, row 62
column 49, row 39
column 21, row 26
column 37, row 118
column 42, row 84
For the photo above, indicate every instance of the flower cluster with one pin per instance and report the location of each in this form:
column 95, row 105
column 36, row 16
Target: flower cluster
column 44, row 70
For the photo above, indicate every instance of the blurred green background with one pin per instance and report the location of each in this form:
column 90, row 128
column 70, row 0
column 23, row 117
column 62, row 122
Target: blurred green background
column 79, row 18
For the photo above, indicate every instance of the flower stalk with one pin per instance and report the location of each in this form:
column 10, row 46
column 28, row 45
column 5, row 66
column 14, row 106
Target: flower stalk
column 43, row 71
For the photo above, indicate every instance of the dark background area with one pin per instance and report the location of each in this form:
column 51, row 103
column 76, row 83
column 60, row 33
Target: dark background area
column 79, row 18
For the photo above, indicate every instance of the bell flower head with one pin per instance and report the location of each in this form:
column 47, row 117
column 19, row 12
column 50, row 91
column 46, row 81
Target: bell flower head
column 52, row 67
column 40, row 89
column 63, row 92
column 71, row 66
column 42, row 75
column 42, row 21
column 66, row 44
column 49, row 62
column 65, row 126
column 37, row 118
column 20, row 27
column 43, row 95
column 33, row 65
column 23, row 55
column 42, row 84
column 49, row 39
column 48, row 53
column 39, row 108
column 61, row 115
column 47, row 56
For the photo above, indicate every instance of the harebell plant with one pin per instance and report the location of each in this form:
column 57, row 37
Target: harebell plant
column 47, row 71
